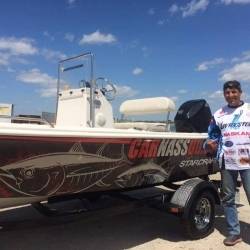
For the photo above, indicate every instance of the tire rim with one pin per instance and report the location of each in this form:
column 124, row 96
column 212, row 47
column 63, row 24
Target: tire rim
column 202, row 213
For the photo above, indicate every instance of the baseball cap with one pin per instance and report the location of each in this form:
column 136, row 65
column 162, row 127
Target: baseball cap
column 232, row 85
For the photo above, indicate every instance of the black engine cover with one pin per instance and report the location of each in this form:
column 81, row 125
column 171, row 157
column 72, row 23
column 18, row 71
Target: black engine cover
column 193, row 116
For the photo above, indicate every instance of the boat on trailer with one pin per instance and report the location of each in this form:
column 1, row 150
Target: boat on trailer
column 85, row 152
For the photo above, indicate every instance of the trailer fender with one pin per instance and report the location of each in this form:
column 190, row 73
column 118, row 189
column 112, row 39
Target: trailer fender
column 188, row 191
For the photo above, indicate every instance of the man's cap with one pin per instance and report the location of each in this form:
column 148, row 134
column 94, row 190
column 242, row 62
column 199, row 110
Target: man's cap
column 232, row 85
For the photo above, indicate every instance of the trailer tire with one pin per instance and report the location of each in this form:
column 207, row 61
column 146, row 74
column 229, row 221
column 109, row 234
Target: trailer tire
column 200, row 217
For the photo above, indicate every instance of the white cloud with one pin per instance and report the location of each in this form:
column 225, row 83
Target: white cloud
column 227, row 2
column 52, row 55
column 151, row 11
column 7, row 59
column 245, row 96
column 71, row 3
column 133, row 44
column 244, row 57
column 209, row 64
column 69, row 37
column 173, row 9
column 238, row 72
column 35, row 76
column 13, row 49
column 3, row 62
column 47, row 84
column 194, row 6
column 48, row 92
column 137, row 71
column 125, row 91
column 4, row 59
column 217, row 94
column 20, row 60
column 10, row 70
column 145, row 51
column 15, row 46
column 47, row 34
column 204, row 93
column 174, row 98
column 97, row 38
column 182, row 91
column 161, row 22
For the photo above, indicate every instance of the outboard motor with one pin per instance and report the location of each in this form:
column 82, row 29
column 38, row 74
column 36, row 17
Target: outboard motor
column 193, row 116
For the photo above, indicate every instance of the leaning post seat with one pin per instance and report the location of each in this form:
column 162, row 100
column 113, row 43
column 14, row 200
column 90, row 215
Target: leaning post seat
column 146, row 106
column 193, row 116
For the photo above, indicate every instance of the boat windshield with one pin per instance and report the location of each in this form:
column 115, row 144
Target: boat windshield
column 75, row 72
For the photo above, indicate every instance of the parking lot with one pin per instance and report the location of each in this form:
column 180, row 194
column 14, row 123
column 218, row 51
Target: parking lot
column 122, row 226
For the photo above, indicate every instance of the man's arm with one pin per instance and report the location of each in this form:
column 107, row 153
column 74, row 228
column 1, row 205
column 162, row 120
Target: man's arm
column 214, row 135
column 214, row 132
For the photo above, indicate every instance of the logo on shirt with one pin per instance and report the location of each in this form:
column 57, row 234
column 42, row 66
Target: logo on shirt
column 244, row 160
column 229, row 152
column 243, row 151
column 228, row 144
column 230, row 161
column 237, row 117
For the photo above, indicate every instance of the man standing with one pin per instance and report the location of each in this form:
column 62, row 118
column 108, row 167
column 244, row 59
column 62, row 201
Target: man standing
column 229, row 134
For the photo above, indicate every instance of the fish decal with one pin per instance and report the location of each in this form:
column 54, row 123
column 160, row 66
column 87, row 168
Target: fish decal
column 61, row 172
column 143, row 174
column 28, row 179
column 94, row 173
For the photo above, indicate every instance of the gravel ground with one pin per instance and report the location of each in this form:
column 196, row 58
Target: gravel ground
column 120, row 227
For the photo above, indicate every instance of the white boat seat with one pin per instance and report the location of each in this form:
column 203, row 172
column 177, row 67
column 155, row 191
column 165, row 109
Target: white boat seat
column 146, row 106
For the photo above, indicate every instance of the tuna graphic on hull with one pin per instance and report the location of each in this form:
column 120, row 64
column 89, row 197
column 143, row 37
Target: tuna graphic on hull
column 58, row 173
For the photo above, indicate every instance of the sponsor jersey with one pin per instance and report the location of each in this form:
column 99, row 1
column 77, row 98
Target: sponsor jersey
column 231, row 128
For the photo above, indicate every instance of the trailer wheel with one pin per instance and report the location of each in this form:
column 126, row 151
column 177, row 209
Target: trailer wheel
column 199, row 221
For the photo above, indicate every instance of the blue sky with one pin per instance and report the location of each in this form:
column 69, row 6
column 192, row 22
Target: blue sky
column 180, row 49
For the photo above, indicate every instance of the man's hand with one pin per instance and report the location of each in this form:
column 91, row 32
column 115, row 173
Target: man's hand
column 211, row 146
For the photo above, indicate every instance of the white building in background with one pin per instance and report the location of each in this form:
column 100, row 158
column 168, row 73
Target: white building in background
column 6, row 111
